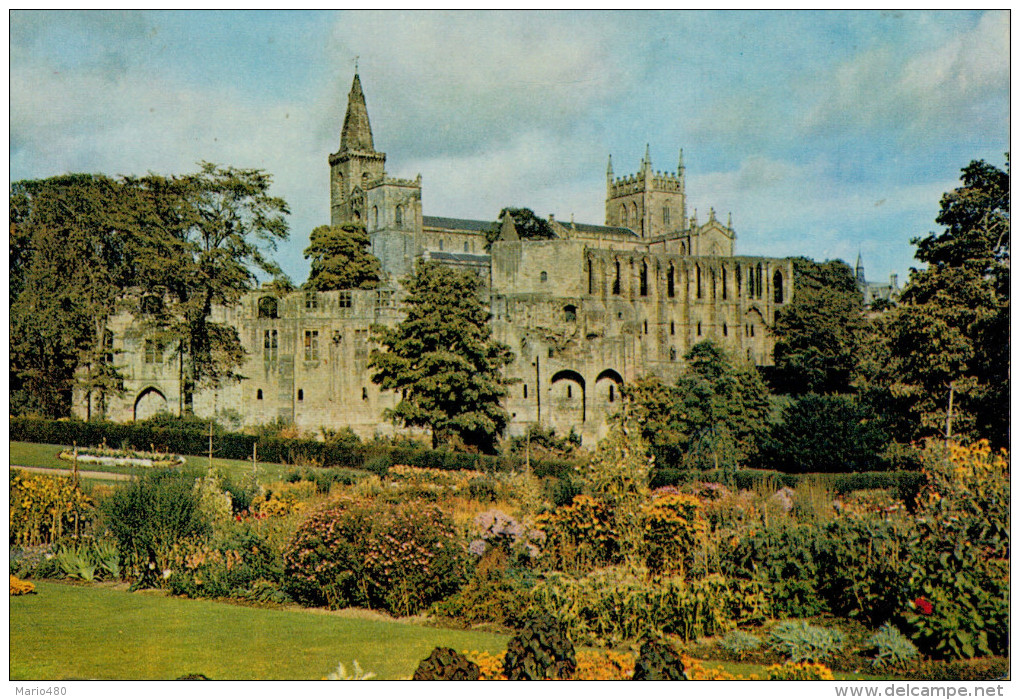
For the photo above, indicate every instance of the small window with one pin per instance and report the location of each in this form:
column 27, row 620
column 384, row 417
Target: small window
column 268, row 307
column 311, row 300
column 525, row 391
column 364, row 394
column 550, row 352
column 699, row 327
column 399, row 215
column 752, row 330
column 672, row 329
column 153, row 352
column 570, row 394
column 670, row 286
column 672, row 354
column 466, row 246
column 440, row 244
column 270, row 346
column 616, row 281
column 646, row 327
column 569, row 313
column 300, row 394
column 364, row 179
column 384, row 299
column 644, row 279
column 258, row 395
column 612, row 393
column 725, row 330
column 344, row 300
column 544, row 276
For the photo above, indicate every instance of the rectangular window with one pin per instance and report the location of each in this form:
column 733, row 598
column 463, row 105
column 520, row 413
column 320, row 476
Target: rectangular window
column 384, row 300
column 153, row 352
column 311, row 300
column 344, row 300
column 270, row 346
column 311, row 346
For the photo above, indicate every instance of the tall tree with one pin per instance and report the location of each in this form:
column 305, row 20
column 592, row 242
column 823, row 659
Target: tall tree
column 950, row 334
column 714, row 416
column 443, row 361
column 205, row 236
column 340, row 259
column 818, row 333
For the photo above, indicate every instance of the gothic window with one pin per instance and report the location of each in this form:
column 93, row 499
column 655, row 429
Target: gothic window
column 757, row 281
column 665, row 215
column 736, row 273
column 525, row 391
column 465, row 246
column 683, row 249
column 644, row 279
column 440, row 244
column 268, row 307
column 670, row 286
column 153, row 352
column 311, row 300
column 623, row 216
column 270, row 346
column 672, row 328
column 646, row 327
column 364, row 394
column 570, row 394
column 258, row 395
column 311, row 346
column 724, row 290
column 300, row 394
column 364, row 180
column 544, row 276
column 399, row 214
column 777, row 287
column 591, row 280
column 375, row 217
column 699, row 328
column 343, row 300
column 339, row 186
column 697, row 275
column 713, row 282
column 569, row 313
column 725, row 330
column 616, row 281
column 672, row 354
column 612, row 393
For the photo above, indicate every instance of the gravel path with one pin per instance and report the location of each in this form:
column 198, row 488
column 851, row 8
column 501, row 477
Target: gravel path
column 82, row 473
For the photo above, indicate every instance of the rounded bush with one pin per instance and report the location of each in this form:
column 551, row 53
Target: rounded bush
column 658, row 661
column 444, row 664
column 398, row 557
column 541, row 651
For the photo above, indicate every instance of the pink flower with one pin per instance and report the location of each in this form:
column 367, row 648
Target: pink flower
column 924, row 606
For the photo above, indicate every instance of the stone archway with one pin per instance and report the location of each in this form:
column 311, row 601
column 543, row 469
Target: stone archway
column 150, row 402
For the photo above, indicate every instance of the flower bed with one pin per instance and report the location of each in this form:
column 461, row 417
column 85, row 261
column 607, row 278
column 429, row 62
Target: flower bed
column 107, row 457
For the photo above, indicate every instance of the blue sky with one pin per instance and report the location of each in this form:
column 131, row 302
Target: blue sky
column 824, row 133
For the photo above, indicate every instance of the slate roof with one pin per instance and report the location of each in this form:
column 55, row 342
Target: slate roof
column 458, row 257
column 610, row 230
column 457, row 224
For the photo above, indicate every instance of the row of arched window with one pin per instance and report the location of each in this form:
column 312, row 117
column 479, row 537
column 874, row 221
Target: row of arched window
column 398, row 216
column 718, row 281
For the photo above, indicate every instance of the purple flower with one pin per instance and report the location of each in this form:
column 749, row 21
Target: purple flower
column 478, row 547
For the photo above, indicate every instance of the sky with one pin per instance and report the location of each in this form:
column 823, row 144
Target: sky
column 824, row 134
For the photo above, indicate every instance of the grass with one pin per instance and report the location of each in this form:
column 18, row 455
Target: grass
column 32, row 454
column 93, row 632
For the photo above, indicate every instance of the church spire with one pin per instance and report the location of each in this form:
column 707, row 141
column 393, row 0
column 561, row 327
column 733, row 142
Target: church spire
column 609, row 168
column 859, row 270
column 357, row 132
column 646, row 164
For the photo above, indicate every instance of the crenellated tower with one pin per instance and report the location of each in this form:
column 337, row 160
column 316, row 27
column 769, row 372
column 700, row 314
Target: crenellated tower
column 357, row 165
column 649, row 203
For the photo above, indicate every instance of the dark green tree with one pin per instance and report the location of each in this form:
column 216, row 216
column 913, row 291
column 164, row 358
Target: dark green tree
column 443, row 361
column 528, row 225
column 818, row 333
column 949, row 338
column 714, row 416
column 824, row 433
column 340, row 259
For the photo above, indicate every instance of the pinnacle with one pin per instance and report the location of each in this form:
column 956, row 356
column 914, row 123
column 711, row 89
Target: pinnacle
column 357, row 132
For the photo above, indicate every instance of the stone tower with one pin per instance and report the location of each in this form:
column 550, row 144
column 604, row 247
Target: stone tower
column 649, row 203
column 357, row 165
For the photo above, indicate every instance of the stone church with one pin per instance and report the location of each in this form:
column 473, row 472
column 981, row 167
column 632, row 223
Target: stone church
column 598, row 306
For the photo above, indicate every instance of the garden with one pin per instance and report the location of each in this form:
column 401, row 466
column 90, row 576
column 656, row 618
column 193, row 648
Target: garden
column 599, row 571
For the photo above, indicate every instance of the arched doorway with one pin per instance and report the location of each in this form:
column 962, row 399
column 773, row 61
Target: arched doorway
column 150, row 402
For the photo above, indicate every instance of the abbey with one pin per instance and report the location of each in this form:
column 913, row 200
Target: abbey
column 598, row 306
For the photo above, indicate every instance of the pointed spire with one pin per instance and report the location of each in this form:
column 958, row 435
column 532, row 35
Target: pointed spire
column 357, row 132
column 646, row 164
column 680, row 163
column 859, row 269
column 609, row 168
column 508, row 232
column 729, row 221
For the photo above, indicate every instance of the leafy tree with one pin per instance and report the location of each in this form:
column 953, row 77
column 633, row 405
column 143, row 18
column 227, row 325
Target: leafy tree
column 204, row 235
column 443, row 361
column 527, row 224
column 340, row 259
column 714, row 416
column 830, row 433
column 950, row 334
column 818, row 333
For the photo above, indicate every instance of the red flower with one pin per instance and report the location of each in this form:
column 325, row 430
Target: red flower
column 924, row 606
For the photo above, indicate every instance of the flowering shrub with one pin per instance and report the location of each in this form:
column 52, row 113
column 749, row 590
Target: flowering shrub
column 490, row 666
column 498, row 530
column 398, row 557
column 673, row 528
column 44, row 508
column 581, row 536
column 595, row 665
column 19, row 587
column 237, row 564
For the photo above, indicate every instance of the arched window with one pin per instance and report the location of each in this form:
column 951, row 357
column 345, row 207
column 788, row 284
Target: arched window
column 616, row 280
column 399, row 215
column 258, row 395
column 713, row 282
column 375, row 217
column 725, row 330
column 638, row 223
column 544, row 276
column 724, row 290
column 777, row 287
column 300, row 394
column 440, row 244
column 570, row 393
column 644, row 279
column 699, row 328
column 569, row 313
column 465, row 246
column 268, row 307
column 525, row 391
column 364, row 394
column 364, row 179
column 757, row 281
column 670, row 286
column 736, row 273
column 672, row 328
column 665, row 215
column 612, row 393
column 623, row 216
column 591, row 279
column 672, row 354
column 697, row 275
column 646, row 326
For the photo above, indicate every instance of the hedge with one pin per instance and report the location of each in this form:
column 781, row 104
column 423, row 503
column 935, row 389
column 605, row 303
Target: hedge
column 140, row 436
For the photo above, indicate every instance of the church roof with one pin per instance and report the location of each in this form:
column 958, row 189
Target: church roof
column 476, row 258
column 605, row 230
column 457, row 224
column 357, row 132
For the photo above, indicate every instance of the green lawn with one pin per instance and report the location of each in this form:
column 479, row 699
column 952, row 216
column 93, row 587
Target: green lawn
column 31, row 454
column 84, row 632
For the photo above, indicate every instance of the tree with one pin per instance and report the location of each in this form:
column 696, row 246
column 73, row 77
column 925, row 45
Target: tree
column 714, row 416
column 443, row 361
column 528, row 225
column 204, row 236
column 818, row 333
column 950, row 334
column 832, row 433
column 340, row 259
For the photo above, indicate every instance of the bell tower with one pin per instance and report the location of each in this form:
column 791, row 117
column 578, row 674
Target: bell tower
column 357, row 166
column 649, row 203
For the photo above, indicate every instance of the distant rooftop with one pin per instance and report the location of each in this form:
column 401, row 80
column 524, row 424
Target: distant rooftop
column 479, row 226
